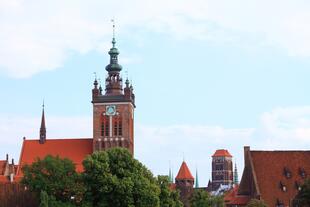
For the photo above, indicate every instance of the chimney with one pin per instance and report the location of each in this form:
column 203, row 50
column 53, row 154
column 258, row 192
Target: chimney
column 13, row 162
column 7, row 157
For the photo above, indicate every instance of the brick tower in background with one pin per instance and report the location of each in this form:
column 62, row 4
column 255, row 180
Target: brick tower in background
column 184, row 182
column 113, row 109
column 222, row 169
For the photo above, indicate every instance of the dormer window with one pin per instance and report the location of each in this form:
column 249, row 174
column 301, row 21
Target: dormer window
column 283, row 187
column 298, row 186
column 287, row 173
column 302, row 172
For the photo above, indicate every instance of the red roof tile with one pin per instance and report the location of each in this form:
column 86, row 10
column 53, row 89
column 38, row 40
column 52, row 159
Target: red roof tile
column 232, row 198
column 269, row 169
column 2, row 166
column 73, row 149
column 172, row 186
column 184, row 172
column 221, row 153
column 4, row 179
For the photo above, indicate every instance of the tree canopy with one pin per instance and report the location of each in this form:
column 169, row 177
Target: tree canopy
column 303, row 196
column 168, row 197
column 256, row 203
column 110, row 178
column 114, row 178
column 54, row 176
column 201, row 198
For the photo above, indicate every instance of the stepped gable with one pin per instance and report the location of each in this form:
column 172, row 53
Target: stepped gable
column 73, row 149
column 184, row 172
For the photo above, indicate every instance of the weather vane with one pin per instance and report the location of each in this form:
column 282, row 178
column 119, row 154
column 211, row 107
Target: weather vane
column 95, row 75
column 113, row 21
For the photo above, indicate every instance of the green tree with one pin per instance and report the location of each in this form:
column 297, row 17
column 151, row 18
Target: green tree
column 256, row 203
column 303, row 196
column 115, row 178
column 55, row 178
column 43, row 199
column 201, row 198
column 168, row 197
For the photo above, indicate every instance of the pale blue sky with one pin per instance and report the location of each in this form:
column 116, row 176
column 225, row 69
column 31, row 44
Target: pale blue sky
column 206, row 75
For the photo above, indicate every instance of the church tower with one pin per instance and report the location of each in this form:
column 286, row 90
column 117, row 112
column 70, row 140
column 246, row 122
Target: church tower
column 113, row 109
column 222, row 170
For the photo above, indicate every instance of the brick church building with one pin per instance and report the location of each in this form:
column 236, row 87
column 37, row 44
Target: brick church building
column 113, row 126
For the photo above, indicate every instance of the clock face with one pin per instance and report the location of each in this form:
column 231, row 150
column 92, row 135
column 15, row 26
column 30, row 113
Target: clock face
column 111, row 110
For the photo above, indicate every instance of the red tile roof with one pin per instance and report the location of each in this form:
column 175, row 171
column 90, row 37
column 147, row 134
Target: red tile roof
column 73, row 149
column 221, row 153
column 231, row 198
column 269, row 169
column 4, row 179
column 172, row 186
column 184, row 172
column 2, row 166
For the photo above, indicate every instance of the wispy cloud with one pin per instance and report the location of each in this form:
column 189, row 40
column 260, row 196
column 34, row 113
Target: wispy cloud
column 38, row 36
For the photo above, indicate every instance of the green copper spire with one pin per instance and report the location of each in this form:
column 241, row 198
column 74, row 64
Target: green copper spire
column 196, row 180
column 236, row 181
column 113, row 66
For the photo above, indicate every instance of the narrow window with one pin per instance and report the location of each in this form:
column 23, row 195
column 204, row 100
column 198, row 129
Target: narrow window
column 120, row 127
column 115, row 127
column 107, row 127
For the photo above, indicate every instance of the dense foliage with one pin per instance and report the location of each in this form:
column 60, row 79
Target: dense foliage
column 168, row 197
column 56, row 177
column 114, row 178
column 110, row 178
column 256, row 203
column 303, row 196
column 201, row 198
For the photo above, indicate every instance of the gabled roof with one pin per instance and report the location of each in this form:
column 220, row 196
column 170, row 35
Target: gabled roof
column 221, row 153
column 73, row 149
column 232, row 198
column 184, row 172
column 270, row 169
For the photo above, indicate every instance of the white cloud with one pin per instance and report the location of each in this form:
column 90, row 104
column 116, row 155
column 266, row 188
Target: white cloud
column 40, row 35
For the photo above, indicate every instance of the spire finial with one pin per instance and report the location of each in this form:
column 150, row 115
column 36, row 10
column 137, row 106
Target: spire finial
column 42, row 127
column 196, row 180
column 236, row 180
column 113, row 39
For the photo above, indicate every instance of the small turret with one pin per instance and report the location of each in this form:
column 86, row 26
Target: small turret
column 95, row 91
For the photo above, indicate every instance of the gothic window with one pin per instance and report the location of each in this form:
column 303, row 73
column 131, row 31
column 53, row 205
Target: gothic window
column 105, row 126
column 218, row 167
column 279, row 203
column 120, row 127
column 117, row 126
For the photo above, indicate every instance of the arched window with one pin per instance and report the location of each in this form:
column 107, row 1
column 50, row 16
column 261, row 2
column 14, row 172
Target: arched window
column 117, row 126
column 105, row 126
